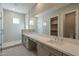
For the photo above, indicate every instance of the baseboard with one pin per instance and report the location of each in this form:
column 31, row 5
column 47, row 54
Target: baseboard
column 11, row 44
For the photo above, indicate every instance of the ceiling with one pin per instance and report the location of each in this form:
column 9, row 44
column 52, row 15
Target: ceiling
column 24, row 7
column 44, row 8
column 18, row 7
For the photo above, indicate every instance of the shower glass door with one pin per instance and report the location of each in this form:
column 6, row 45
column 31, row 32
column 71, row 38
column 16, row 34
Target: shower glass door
column 1, row 33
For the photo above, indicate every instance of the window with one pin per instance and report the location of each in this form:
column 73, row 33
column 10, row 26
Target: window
column 16, row 21
column 31, row 22
column 27, row 27
column 44, row 24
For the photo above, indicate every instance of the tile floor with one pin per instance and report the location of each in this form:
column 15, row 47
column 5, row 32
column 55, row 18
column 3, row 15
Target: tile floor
column 19, row 50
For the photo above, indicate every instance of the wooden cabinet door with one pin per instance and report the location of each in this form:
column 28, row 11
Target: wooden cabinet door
column 42, row 51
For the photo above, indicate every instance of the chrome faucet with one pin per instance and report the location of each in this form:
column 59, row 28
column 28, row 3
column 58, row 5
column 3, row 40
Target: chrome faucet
column 60, row 39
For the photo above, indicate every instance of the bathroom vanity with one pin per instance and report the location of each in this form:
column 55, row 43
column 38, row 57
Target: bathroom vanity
column 46, row 45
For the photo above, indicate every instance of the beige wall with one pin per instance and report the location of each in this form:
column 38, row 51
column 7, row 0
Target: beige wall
column 45, row 17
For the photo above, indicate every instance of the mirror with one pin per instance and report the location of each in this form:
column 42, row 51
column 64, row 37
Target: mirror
column 69, row 28
column 54, row 26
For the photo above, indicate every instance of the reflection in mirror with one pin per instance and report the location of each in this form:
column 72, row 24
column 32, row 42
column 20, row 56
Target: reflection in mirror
column 69, row 28
column 54, row 26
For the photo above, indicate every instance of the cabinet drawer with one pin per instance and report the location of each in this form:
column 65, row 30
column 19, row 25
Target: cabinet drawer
column 65, row 54
column 55, row 52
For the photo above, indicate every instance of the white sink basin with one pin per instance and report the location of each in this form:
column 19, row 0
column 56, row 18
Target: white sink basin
column 55, row 42
column 52, row 41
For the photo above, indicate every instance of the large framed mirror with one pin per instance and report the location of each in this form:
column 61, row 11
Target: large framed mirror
column 69, row 25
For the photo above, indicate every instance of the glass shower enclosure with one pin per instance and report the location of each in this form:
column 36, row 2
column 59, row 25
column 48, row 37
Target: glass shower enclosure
column 1, row 35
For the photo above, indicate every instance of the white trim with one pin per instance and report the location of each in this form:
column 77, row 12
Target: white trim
column 77, row 14
column 61, row 24
column 70, row 11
